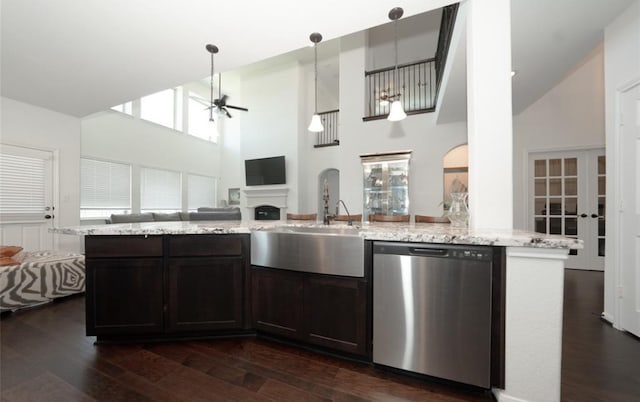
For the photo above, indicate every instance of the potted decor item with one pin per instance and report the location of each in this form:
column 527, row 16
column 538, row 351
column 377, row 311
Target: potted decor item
column 459, row 211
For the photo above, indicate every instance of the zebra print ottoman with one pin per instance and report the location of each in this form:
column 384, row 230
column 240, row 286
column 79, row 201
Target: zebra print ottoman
column 40, row 277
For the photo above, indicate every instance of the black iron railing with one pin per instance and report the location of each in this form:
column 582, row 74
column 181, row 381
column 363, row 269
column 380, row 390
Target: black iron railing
column 447, row 23
column 329, row 136
column 416, row 91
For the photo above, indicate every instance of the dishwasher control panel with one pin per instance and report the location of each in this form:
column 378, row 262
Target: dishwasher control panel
column 481, row 255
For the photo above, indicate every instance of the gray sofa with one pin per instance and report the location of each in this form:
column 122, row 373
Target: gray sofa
column 203, row 214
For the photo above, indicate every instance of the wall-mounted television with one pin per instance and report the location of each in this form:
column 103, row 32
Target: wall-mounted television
column 265, row 171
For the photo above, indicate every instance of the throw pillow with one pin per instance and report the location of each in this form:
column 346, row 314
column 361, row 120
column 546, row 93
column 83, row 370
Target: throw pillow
column 9, row 251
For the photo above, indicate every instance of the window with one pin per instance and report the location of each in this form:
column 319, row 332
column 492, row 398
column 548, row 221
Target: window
column 160, row 190
column 164, row 108
column 105, row 188
column 199, row 124
column 25, row 183
column 125, row 108
column 202, row 191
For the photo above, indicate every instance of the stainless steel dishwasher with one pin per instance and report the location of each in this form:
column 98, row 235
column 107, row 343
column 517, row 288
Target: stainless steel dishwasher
column 432, row 310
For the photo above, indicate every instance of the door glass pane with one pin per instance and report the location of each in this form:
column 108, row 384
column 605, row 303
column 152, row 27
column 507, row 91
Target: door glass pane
column 555, row 206
column 555, row 225
column 601, row 206
column 571, row 226
column 600, row 247
column 555, row 167
column 541, row 225
column 540, row 206
column 602, row 185
column 540, row 168
column 602, row 164
column 571, row 167
column 555, row 186
column 571, row 186
column 571, row 206
column 601, row 224
column 541, row 187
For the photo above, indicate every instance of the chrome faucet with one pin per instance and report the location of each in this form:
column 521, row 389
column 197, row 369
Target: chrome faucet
column 349, row 221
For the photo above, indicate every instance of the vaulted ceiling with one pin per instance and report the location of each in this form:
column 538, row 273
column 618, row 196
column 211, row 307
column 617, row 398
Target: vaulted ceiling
column 81, row 57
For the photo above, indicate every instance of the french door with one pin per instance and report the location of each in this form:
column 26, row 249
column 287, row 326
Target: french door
column 567, row 197
column 26, row 197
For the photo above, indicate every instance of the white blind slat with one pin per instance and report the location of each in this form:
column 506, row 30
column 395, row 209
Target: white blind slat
column 104, row 185
column 202, row 191
column 22, row 185
column 160, row 189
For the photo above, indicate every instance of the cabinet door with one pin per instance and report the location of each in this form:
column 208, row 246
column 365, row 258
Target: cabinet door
column 205, row 293
column 336, row 314
column 124, row 296
column 277, row 302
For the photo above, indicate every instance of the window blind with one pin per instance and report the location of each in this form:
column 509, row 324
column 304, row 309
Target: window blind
column 160, row 190
column 23, row 186
column 201, row 191
column 104, row 185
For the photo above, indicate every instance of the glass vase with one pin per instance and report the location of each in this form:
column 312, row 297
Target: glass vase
column 459, row 211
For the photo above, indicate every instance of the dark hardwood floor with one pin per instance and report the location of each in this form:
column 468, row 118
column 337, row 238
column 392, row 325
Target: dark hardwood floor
column 599, row 363
column 46, row 356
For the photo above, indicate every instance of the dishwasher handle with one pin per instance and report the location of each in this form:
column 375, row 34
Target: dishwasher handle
column 433, row 252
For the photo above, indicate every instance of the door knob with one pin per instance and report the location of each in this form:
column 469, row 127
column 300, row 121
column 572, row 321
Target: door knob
column 594, row 215
column 48, row 216
column 583, row 215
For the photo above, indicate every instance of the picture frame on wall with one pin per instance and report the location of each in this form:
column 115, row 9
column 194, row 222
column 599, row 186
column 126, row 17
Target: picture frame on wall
column 234, row 196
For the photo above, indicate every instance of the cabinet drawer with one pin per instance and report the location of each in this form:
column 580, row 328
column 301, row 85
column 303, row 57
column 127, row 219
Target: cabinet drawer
column 123, row 246
column 204, row 245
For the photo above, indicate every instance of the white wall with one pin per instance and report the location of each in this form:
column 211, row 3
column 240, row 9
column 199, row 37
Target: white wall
column 31, row 126
column 622, row 66
column 274, row 121
column 414, row 42
column 569, row 116
column 429, row 143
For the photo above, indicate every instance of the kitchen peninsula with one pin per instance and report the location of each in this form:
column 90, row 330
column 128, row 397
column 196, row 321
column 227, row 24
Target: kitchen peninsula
column 168, row 280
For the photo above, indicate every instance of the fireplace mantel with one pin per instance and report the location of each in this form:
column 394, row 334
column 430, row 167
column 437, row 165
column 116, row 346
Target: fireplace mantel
column 274, row 196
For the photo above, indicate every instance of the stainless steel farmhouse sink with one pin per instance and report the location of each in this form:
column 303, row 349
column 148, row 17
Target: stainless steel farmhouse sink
column 323, row 250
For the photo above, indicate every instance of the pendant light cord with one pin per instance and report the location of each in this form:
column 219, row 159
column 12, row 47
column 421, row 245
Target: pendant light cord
column 315, row 51
column 395, row 29
column 211, row 94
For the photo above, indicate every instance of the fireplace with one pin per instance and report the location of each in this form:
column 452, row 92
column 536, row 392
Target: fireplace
column 266, row 202
column 267, row 213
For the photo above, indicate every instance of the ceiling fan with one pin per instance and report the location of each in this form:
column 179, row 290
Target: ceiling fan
column 219, row 104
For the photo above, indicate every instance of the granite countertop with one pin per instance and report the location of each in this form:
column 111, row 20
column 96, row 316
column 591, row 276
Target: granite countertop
column 418, row 233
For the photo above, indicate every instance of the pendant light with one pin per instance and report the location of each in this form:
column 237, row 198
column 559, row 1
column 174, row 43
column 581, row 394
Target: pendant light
column 316, row 124
column 397, row 112
column 211, row 49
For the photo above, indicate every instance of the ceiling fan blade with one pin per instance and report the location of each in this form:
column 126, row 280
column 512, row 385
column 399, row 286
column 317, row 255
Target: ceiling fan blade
column 201, row 101
column 227, row 112
column 238, row 107
column 223, row 100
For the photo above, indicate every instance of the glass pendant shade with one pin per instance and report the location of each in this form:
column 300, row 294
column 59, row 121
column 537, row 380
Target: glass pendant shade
column 316, row 124
column 397, row 112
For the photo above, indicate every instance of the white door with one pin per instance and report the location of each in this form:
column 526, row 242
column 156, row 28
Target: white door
column 630, row 209
column 26, row 197
column 567, row 197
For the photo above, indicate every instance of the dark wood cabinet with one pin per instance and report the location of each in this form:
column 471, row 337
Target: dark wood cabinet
column 206, row 282
column 322, row 310
column 277, row 302
column 336, row 310
column 124, row 285
column 205, row 293
column 166, row 285
column 124, row 295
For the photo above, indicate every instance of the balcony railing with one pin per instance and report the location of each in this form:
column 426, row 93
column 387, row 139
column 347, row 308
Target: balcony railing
column 329, row 136
column 417, row 89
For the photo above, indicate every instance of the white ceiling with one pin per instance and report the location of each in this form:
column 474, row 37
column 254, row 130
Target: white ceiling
column 548, row 39
column 81, row 57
